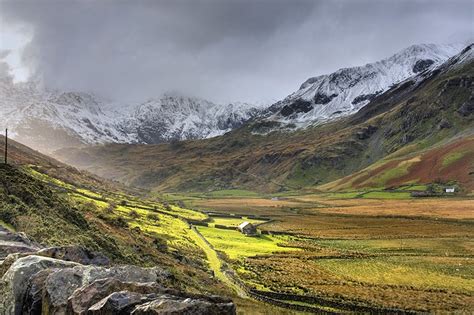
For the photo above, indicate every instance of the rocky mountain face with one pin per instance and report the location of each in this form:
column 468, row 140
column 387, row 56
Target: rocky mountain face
column 179, row 118
column 347, row 90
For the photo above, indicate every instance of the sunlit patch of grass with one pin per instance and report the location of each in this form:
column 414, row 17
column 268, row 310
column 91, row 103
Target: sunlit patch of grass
column 234, row 221
column 89, row 193
column 175, row 231
column 188, row 213
column 48, row 179
column 408, row 271
column 84, row 199
column 386, row 195
column 236, row 245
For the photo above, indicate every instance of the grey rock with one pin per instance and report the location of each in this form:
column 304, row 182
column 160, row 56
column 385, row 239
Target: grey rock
column 14, row 283
column 61, row 284
column 119, row 303
column 83, row 298
column 33, row 302
column 168, row 304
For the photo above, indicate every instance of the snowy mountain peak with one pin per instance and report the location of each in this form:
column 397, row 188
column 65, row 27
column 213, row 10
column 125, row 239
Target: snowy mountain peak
column 48, row 120
column 347, row 90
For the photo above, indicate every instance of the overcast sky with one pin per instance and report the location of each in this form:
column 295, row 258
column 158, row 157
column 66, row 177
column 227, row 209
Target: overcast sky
column 223, row 50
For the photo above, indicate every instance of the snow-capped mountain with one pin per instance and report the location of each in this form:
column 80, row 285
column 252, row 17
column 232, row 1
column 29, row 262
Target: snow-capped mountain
column 347, row 90
column 48, row 120
column 179, row 117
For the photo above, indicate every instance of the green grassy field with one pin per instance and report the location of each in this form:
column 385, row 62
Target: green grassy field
column 386, row 195
column 237, row 246
column 234, row 221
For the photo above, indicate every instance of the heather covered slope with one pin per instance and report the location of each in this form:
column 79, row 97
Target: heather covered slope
column 416, row 114
column 451, row 163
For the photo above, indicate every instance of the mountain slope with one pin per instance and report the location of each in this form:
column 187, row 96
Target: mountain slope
column 56, row 205
column 347, row 90
column 432, row 107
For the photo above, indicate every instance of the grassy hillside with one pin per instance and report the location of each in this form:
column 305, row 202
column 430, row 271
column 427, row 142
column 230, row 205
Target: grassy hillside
column 450, row 163
column 412, row 116
column 55, row 204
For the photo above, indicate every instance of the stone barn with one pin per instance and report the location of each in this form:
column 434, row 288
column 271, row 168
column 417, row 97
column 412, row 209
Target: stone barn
column 247, row 228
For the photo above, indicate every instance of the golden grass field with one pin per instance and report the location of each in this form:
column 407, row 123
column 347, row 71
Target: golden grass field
column 411, row 254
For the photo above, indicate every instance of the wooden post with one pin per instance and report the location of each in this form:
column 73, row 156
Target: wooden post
column 6, row 145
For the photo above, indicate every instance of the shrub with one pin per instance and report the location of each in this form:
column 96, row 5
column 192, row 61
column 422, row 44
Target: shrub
column 153, row 217
column 134, row 214
column 110, row 208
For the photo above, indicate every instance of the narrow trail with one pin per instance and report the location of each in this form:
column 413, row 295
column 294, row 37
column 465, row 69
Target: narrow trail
column 218, row 266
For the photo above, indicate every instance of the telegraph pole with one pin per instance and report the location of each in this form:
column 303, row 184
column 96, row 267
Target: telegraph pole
column 6, row 145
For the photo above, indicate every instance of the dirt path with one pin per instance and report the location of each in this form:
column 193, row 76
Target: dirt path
column 219, row 267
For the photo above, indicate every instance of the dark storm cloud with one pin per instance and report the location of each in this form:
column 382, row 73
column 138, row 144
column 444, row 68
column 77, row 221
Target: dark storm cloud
column 220, row 49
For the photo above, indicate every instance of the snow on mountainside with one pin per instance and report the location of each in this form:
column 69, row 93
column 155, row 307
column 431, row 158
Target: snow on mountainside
column 347, row 90
column 178, row 117
column 48, row 120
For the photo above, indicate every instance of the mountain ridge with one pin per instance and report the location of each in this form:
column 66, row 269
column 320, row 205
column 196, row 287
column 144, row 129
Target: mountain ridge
column 347, row 90
column 49, row 120
column 416, row 113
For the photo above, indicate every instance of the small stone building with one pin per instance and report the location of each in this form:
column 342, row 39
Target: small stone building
column 247, row 228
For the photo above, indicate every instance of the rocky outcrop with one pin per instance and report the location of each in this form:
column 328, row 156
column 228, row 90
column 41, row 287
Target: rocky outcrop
column 467, row 108
column 422, row 65
column 74, row 280
column 298, row 106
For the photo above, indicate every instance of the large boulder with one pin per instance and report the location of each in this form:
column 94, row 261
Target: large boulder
column 77, row 254
column 83, row 298
column 169, row 304
column 14, row 283
column 119, row 303
column 33, row 301
column 62, row 283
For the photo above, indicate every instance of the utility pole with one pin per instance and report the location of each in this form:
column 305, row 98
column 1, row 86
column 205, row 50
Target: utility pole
column 6, row 145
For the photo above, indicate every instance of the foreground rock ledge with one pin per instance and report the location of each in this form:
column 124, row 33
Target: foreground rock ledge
column 73, row 280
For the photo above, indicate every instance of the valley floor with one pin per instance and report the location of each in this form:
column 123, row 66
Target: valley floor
column 363, row 251
column 347, row 251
